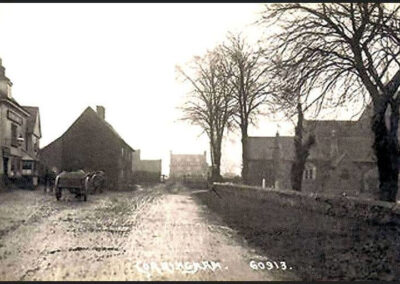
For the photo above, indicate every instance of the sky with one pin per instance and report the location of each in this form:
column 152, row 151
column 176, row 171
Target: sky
column 65, row 57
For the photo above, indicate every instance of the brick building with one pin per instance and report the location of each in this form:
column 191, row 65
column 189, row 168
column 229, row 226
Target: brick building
column 341, row 161
column 183, row 166
column 90, row 144
column 20, row 135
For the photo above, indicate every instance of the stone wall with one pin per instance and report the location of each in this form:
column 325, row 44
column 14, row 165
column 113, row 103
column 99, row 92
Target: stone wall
column 146, row 177
column 322, row 237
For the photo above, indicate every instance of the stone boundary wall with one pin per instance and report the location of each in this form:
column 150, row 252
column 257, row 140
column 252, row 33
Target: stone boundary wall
column 323, row 237
column 333, row 205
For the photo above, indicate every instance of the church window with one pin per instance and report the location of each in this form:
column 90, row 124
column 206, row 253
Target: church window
column 309, row 172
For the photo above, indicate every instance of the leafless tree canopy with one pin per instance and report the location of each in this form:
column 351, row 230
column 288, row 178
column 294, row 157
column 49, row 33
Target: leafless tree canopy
column 248, row 77
column 229, row 87
column 344, row 48
column 341, row 52
column 210, row 104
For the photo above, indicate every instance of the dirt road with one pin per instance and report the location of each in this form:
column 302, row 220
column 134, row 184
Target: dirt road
column 141, row 235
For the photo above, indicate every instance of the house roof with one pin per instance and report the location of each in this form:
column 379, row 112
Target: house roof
column 14, row 103
column 90, row 110
column 27, row 157
column 92, row 113
column 193, row 158
column 33, row 111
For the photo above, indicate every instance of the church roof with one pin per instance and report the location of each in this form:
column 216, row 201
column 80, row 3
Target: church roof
column 358, row 149
column 354, row 141
column 262, row 148
column 342, row 127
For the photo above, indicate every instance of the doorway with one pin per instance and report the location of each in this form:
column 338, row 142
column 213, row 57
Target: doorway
column 5, row 170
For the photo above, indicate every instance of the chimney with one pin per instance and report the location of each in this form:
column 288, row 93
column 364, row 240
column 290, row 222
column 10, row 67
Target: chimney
column 2, row 69
column 5, row 83
column 101, row 111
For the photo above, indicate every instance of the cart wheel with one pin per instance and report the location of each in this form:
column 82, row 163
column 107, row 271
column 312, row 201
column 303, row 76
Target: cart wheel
column 58, row 193
column 86, row 188
column 57, row 189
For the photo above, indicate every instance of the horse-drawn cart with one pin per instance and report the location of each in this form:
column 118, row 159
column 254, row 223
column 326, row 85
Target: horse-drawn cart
column 76, row 182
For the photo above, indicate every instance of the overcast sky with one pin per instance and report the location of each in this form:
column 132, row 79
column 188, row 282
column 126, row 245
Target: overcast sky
column 65, row 57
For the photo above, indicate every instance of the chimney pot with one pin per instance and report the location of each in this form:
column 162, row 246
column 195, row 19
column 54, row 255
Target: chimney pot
column 101, row 111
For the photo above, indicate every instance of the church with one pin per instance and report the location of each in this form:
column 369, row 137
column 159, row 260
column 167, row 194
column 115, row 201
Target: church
column 341, row 161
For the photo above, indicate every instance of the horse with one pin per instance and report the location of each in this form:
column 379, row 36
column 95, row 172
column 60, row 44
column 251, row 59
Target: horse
column 97, row 181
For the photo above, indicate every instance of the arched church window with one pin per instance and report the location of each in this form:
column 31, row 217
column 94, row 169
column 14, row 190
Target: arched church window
column 310, row 172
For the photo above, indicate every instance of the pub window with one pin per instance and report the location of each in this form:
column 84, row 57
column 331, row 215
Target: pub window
column 27, row 165
column 14, row 141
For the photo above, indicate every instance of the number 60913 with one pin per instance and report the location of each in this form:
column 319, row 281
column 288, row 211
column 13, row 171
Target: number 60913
column 269, row 265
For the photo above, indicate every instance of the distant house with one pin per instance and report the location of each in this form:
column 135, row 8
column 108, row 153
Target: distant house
column 145, row 170
column 341, row 161
column 91, row 144
column 31, row 158
column 185, row 166
column 20, row 134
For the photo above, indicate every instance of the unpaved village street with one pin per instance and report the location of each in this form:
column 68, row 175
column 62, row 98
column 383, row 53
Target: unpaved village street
column 147, row 234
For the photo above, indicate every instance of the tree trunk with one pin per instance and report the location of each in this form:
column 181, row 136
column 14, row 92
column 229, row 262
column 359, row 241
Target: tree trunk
column 216, row 159
column 302, row 152
column 296, row 173
column 386, row 146
column 245, row 164
column 216, row 171
column 216, row 174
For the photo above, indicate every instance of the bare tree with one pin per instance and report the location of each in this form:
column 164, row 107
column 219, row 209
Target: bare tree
column 247, row 75
column 347, row 51
column 210, row 104
column 287, row 99
column 302, row 148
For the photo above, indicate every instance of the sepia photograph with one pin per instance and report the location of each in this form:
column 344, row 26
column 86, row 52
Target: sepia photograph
column 199, row 141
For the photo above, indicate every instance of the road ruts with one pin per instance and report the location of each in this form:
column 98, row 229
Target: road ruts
column 119, row 236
